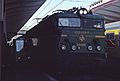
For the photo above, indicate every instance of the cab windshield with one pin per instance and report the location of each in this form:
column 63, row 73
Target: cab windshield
column 69, row 22
column 88, row 23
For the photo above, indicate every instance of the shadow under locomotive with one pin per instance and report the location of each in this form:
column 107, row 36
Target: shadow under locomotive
column 66, row 42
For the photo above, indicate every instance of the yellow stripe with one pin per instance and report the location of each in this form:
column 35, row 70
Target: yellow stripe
column 116, row 32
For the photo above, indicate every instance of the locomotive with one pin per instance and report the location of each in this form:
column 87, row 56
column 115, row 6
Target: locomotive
column 67, row 40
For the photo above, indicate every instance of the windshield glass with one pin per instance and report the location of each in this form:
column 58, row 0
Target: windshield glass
column 88, row 23
column 69, row 22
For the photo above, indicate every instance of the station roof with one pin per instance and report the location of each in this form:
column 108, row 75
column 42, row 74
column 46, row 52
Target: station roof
column 18, row 12
column 110, row 10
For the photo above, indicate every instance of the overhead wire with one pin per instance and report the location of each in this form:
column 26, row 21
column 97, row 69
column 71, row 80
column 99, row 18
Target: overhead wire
column 45, row 6
column 61, row 2
column 53, row 8
column 74, row 1
column 80, row 1
column 85, row 1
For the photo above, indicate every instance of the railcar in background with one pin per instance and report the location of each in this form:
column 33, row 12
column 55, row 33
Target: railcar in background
column 113, row 43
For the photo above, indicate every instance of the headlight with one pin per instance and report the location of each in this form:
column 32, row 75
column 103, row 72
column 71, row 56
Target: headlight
column 28, row 57
column 90, row 48
column 99, row 48
column 63, row 47
column 83, row 11
column 79, row 47
column 74, row 47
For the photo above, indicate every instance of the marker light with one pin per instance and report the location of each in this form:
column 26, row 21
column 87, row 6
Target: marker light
column 90, row 48
column 98, row 48
column 74, row 47
column 83, row 11
column 63, row 47
column 79, row 48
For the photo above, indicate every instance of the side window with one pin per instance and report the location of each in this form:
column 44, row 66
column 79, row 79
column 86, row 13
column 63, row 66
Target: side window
column 98, row 23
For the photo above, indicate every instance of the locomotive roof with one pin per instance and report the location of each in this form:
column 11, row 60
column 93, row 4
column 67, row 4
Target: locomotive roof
column 94, row 16
column 91, row 16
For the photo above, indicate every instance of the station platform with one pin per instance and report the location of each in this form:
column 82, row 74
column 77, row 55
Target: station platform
column 110, row 73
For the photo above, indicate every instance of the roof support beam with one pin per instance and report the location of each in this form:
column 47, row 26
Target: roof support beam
column 21, row 7
column 22, row 1
column 5, row 74
column 19, row 13
column 1, row 9
column 109, row 16
column 0, row 47
column 116, row 6
column 112, row 11
column 1, row 34
column 20, row 10
column 23, row 4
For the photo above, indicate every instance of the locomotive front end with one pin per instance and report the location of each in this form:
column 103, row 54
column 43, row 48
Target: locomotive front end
column 82, row 40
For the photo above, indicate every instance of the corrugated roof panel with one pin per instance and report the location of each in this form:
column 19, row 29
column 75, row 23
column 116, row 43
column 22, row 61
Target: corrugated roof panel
column 19, row 11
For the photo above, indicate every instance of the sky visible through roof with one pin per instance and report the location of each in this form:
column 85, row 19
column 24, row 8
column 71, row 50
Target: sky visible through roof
column 51, row 5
